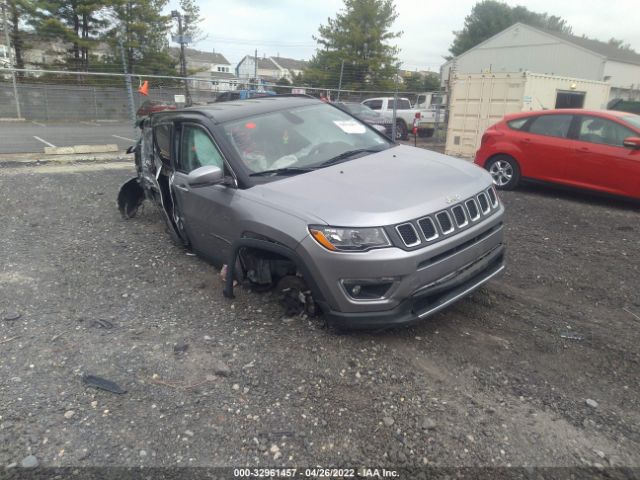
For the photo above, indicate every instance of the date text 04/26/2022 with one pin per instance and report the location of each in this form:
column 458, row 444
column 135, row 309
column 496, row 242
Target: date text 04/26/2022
column 314, row 472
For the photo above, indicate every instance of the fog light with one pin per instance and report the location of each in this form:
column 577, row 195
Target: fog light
column 368, row 289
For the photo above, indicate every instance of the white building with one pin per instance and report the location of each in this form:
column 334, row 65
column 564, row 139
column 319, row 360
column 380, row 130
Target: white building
column 525, row 48
column 212, row 69
column 270, row 69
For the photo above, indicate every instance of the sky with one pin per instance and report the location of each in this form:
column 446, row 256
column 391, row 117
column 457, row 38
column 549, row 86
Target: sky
column 236, row 28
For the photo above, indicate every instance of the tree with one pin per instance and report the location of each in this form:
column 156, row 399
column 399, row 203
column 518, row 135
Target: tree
column 19, row 12
column 78, row 22
column 143, row 29
column 421, row 82
column 489, row 17
column 357, row 36
column 192, row 20
column 621, row 44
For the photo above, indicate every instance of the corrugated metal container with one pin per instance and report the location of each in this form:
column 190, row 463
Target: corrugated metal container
column 479, row 100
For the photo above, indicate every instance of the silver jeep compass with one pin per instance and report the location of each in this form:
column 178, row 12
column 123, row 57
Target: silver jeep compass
column 295, row 194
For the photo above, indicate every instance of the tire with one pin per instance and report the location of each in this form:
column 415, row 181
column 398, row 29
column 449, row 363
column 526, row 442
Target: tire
column 401, row 130
column 505, row 171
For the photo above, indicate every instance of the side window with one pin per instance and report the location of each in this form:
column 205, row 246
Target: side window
column 518, row 124
column 603, row 131
column 162, row 143
column 197, row 150
column 374, row 104
column 402, row 104
column 551, row 125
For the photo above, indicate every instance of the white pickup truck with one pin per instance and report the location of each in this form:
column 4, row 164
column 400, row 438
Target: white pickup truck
column 406, row 113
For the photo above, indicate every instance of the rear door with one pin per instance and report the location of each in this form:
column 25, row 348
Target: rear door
column 600, row 160
column 546, row 147
column 206, row 211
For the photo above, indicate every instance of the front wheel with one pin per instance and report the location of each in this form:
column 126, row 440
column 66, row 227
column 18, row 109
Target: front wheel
column 505, row 172
column 401, row 130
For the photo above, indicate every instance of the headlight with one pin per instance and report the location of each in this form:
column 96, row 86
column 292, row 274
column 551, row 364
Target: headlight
column 349, row 239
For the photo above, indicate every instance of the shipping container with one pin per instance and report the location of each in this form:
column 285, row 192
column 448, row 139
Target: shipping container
column 477, row 101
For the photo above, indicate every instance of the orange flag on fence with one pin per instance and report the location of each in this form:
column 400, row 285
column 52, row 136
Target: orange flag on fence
column 144, row 88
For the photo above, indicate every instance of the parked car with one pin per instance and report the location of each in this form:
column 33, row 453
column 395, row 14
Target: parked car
column 405, row 115
column 367, row 115
column 597, row 150
column 150, row 106
column 243, row 95
column 295, row 194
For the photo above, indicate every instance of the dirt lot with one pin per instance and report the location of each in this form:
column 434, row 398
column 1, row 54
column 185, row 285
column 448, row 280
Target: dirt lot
column 539, row 368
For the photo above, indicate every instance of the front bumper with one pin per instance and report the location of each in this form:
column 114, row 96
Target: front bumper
column 425, row 280
column 426, row 303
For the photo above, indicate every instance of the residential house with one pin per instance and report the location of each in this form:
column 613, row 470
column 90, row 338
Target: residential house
column 212, row 70
column 270, row 69
column 524, row 48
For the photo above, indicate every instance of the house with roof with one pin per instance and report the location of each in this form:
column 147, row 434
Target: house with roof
column 211, row 69
column 522, row 47
column 269, row 69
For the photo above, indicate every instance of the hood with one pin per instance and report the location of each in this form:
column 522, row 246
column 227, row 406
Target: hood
column 383, row 188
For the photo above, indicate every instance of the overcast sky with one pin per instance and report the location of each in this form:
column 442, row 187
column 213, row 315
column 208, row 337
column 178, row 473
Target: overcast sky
column 237, row 27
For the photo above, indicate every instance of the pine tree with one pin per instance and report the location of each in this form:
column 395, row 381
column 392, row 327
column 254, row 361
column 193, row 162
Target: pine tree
column 143, row 29
column 359, row 35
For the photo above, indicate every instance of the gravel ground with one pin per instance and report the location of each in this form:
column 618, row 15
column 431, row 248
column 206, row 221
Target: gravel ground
column 538, row 368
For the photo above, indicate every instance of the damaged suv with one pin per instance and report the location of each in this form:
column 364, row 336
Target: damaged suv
column 295, row 194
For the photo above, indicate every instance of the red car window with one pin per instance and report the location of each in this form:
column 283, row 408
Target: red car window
column 551, row 125
column 603, row 131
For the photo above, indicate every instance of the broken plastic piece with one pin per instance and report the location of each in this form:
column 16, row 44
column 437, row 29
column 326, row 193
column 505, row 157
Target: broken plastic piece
column 102, row 384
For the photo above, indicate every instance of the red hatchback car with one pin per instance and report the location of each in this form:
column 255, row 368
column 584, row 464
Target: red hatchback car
column 596, row 150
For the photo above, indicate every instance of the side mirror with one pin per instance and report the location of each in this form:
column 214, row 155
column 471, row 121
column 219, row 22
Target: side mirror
column 207, row 175
column 632, row 142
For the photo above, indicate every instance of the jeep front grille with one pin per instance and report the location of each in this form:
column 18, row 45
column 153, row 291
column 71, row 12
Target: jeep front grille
column 428, row 228
column 484, row 203
column 444, row 220
column 472, row 208
column 450, row 221
column 408, row 234
column 459, row 215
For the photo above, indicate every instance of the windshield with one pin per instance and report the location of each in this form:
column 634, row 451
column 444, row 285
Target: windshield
column 299, row 138
column 633, row 120
column 359, row 109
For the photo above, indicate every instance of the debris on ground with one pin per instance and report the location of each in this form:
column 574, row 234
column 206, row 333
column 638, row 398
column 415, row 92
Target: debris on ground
column 11, row 316
column 571, row 336
column 102, row 384
column 30, row 462
column 180, row 348
column 101, row 323
column 591, row 403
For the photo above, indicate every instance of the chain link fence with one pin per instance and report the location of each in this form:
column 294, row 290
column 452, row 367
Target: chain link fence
column 59, row 97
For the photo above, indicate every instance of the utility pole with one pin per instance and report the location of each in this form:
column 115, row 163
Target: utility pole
column 395, row 106
column 340, row 81
column 127, row 79
column 255, row 68
column 13, row 72
column 183, row 65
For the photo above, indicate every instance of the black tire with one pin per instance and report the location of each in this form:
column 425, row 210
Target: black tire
column 505, row 171
column 402, row 133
